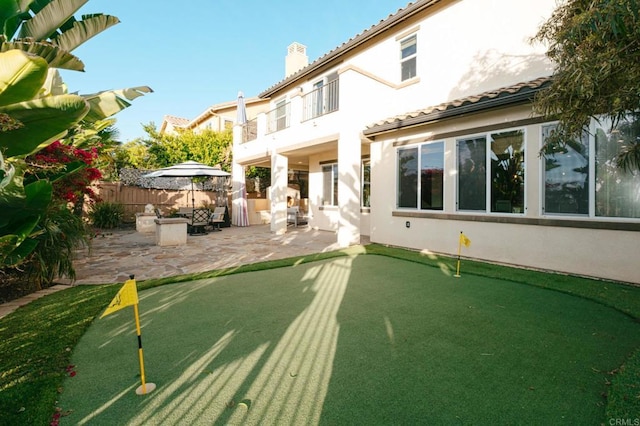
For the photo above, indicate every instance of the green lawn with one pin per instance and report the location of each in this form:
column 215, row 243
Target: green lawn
column 361, row 339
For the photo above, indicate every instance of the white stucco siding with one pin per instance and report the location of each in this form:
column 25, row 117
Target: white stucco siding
column 465, row 48
column 580, row 247
column 587, row 252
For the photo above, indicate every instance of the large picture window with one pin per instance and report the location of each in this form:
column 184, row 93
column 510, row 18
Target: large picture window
column 330, row 185
column 566, row 176
column 617, row 192
column 428, row 159
column 507, row 172
column 472, row 174
column 491, row 173
column 583, row 178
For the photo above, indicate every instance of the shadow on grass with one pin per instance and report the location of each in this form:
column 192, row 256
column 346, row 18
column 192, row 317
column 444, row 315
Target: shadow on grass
column 355, row 340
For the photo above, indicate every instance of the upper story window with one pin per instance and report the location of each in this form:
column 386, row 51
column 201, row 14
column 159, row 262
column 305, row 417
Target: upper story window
column 408, row 57
column 421, row 171
column 278, row 117
column 324, row 98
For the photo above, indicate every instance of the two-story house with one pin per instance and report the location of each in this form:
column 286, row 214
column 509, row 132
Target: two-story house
column 218, row 117
column 421, row 127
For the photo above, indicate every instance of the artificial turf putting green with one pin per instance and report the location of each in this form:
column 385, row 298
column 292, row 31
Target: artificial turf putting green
column 358, row 340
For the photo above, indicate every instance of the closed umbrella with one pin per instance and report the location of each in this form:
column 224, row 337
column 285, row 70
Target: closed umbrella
column 188, row 169
column 240, row 215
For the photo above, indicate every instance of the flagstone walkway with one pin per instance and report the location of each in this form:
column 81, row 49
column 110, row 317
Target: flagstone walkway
column 116, row 255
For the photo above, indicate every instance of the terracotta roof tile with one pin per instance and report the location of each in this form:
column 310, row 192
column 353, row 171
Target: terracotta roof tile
column 176, row 121
column 523, row 87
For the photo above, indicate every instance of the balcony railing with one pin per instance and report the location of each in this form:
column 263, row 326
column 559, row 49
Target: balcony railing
column 250, row 130
column 322, row 100
column 278, row 118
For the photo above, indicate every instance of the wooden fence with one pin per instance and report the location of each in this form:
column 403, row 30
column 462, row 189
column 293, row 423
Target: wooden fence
column 135, row 199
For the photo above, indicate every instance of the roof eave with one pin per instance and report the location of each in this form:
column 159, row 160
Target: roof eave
column 480, row 106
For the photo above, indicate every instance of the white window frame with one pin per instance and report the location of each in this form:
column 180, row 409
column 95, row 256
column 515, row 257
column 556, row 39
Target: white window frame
column 488, row 150
column 411, row 57
column 333, row 191
column 365, row 162
column 419, row 176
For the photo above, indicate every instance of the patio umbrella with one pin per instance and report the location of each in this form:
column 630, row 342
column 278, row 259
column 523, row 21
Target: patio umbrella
column 240, row 215
column 188, row 169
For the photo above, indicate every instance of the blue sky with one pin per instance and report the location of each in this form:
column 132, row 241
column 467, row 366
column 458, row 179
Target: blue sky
column 197, row 53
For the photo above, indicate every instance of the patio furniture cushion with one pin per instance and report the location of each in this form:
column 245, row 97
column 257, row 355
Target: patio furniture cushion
column 199, row 219
column 217, row 218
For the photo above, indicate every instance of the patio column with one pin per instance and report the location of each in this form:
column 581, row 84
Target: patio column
column 278, row 195
column 349, row 158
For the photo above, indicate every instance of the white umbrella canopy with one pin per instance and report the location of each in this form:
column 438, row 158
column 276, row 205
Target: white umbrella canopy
column 188, row 169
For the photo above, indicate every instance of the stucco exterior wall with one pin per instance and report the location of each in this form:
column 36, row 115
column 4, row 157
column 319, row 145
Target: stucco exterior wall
column 604, row 253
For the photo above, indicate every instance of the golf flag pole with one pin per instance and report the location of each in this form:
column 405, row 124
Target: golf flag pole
column 128, row 296
column 467, row 242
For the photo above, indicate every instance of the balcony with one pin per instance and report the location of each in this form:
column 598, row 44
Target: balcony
column 294, row 115
column 323, row 100
column 250, row 130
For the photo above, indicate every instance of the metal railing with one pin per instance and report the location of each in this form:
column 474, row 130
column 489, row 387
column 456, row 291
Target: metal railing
column 278, row 118
column 322, row 100
column 250, row 130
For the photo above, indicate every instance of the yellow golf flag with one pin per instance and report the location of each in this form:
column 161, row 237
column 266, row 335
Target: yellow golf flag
column 464, row 240
column 127, row 296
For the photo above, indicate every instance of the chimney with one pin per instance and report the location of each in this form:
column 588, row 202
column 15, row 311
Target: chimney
column 296, row 58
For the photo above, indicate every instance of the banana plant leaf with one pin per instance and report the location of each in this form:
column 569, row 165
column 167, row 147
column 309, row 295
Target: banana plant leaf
column 81, row 31
column 12, row 13
column 45, row 121
column 21, row 76
column 50, row 18
column 55, row 55
column 17, row 225
column 12, row 194
column 107, row 103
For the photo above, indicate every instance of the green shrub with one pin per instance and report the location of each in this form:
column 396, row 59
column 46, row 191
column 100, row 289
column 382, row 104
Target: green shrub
column 106, row 215
column 60, row 232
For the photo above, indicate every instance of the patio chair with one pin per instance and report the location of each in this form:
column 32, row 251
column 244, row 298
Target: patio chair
column 295, row 217
column 217, row 218
column 199, row 220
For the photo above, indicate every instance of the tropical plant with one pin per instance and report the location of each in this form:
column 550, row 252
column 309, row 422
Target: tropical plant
column 595, row 46
column 106, row 215
column 60, row 233
column 36, row 110
column 42, row 121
